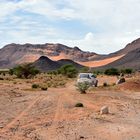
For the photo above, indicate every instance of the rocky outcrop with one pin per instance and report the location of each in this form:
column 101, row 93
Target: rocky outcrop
column 104, row 110
column 45, row 64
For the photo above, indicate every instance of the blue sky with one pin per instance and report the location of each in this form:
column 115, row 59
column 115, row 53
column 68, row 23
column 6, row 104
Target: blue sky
column 101, row 26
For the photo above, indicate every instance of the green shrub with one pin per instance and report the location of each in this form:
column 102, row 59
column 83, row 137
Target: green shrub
column 68, row 70
column 24, row 71
column 54, row 72
column 97, row 72
column 35, row 86
column 11, row 71
column 112, row 71
column 85, row 69
column 82, row 87
column 126, row 71
column 79, row 105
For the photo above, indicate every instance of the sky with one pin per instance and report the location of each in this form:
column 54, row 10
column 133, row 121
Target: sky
column 101, row 26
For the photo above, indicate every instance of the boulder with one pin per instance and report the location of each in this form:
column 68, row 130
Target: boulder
column 120, row 81
column 104, row 110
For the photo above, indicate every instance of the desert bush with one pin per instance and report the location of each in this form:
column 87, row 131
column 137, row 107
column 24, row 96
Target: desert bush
column 113, row 84
column 1, row 78
column 68, row 70
column 79, row 105
column 35, row 86
column 97, row 72
column 44, row 88
column 126, row 71
column 105, row 84
column 51, row 80
column 112, row 71
column 54, row 72
column 11, row 71
column 24, row 71
column 83, row 87
column 14, row 82
column 85, row 69
column 62, row 83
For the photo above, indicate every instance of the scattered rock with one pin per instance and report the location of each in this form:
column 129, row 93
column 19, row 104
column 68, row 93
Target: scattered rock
column 1, row 126
column 104, row 110
column 120, row 81
column 82, row 137
column 79, row 105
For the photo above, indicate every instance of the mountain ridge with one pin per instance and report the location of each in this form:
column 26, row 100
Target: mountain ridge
column 14, row 54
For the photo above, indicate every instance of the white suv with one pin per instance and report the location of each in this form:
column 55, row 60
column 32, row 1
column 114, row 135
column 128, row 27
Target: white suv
column 87, row 77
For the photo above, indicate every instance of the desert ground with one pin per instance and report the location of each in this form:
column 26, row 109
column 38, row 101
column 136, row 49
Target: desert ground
column 35, row 114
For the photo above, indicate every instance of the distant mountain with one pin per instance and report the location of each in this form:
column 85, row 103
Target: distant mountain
column 13, row 54
column 131, row 59
column 45, row 64
column 128, row 48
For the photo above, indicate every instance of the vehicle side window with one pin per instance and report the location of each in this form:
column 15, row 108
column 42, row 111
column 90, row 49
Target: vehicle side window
column 89, row 76
column 93, row 76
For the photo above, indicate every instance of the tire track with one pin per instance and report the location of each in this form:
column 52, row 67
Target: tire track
column 24, row 112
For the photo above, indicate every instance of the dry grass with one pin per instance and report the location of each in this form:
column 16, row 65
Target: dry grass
column 45, row 80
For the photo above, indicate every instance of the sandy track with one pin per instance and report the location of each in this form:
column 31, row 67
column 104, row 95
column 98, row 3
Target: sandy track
column 21, row 115
column 51, row 115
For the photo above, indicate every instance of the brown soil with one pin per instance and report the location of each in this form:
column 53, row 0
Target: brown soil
column 51, row 115
column 132, row 85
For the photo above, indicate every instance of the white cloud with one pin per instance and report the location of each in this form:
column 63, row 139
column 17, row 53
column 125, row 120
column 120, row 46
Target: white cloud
column 116, row 22
column 6, row 8
column 46, row 8
column 100, row 45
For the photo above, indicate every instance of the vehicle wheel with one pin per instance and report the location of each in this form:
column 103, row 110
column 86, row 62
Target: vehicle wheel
column 96, row 84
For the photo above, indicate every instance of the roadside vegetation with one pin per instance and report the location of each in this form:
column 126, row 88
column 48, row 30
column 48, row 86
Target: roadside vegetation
column 58, row 78
column 24, row 71
column 115, row 71
column 82, row 87
column 67, row 70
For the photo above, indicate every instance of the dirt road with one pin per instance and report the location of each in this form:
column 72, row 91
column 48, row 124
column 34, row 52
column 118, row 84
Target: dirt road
column 51, row 115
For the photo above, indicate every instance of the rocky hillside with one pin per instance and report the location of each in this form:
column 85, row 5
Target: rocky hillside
column 45, row 64
column 13, row 54
column 131, row 59
column 128, row 48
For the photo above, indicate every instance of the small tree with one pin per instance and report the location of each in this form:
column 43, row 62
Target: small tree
column 112, row 71
column 82, row 87
column 68, row 70
column 24, row 71
column 97, row 72
column 126, row 71
column 84, row 69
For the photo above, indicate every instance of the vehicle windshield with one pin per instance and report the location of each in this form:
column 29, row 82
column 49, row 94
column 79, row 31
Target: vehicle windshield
column 84, row 76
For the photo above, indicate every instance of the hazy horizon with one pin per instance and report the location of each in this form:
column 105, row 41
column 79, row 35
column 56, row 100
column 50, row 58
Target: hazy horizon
column 97, row 26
